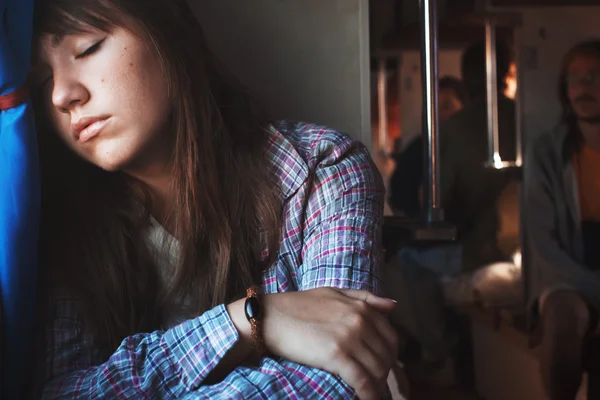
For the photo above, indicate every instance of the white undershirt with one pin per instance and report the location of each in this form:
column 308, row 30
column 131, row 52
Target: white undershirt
column 165, row 250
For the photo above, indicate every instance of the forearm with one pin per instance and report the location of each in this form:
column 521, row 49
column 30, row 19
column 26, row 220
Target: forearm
column 158, row 364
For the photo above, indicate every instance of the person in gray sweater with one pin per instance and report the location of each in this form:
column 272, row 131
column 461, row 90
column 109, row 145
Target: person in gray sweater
column 562, row 225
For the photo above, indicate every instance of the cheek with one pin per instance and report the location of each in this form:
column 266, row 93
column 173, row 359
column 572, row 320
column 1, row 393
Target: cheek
column 457, row 105
column 148, row 98
column 573, row 92
column 140, row 82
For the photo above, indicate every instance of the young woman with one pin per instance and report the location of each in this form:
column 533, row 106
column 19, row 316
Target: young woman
column 170, row 203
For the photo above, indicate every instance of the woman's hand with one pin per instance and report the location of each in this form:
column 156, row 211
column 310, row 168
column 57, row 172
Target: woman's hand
column 345, row 332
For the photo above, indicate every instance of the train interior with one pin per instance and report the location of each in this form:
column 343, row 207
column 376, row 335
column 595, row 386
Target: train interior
column 372, row 68
column 503, row 363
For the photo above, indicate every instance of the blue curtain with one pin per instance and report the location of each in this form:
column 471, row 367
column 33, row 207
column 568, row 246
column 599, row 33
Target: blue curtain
column 19, row 199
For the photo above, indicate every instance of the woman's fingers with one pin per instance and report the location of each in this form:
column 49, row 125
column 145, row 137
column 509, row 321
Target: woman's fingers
column 381, row 304
column 344, row 332
column 377, row 353
column 357, row 376
column 376, row 364
column 372, row 342
column 378, row 359
column 388, row 336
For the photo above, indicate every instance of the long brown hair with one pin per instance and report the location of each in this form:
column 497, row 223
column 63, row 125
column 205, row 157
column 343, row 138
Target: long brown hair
column 226, row 202
column 587, row 48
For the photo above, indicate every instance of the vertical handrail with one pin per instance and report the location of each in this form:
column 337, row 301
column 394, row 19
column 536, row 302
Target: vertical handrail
column 429, row 74
column 519, row 109
column 382, row 103
column 494, row 158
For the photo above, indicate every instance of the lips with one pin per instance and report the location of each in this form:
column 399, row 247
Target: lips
column 87, row 128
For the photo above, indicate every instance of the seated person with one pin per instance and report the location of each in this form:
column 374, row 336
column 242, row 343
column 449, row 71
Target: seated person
column 190, row 248
column 469, row 195
column 562, row 219
column 407, row 179
column 470, row 190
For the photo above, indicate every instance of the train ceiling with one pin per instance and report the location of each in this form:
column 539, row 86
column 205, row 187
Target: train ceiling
column 461, row 20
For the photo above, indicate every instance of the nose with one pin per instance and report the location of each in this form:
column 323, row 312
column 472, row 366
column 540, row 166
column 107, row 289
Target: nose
column 68, row 93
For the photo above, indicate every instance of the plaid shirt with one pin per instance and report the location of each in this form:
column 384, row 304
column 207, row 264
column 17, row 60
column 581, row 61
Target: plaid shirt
column 333, row 207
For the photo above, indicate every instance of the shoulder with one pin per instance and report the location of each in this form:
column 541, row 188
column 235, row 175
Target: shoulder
column 545, row 162
column 301, row 150
column 317, row 146
column 313, row 141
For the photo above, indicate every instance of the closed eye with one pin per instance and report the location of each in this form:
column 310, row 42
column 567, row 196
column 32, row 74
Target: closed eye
column 91, row 50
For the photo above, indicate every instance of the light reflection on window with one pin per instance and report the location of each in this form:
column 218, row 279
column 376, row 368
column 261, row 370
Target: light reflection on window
column 511, row 82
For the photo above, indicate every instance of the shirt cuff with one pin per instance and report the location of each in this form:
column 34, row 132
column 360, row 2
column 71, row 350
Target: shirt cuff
column 197, row 346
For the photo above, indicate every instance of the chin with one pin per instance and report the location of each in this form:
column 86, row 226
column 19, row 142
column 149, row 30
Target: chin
column 108, row 163
column 110, row 167
column 112, row 155
column 589, row 117
column 586, row 110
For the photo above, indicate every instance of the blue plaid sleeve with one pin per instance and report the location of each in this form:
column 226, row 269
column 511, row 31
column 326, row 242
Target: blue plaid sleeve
column 343, row 219
column 173, row 365
column 341, row 206
column 276, row 379
column 145, row 366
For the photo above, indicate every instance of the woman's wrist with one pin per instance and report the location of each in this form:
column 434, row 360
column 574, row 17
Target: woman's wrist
column 254, row 314
column 238, row 316
column 242, row 351
column 242, row 325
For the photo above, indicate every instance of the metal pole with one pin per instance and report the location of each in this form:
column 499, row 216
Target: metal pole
column 519, row 99
column 429, row 74
column 381, row 99
column 492, row 94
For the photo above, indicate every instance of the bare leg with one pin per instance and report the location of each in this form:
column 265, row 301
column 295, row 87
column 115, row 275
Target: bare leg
column 565, row 323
